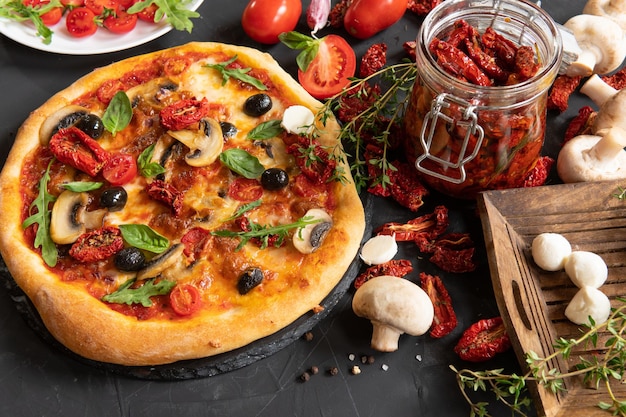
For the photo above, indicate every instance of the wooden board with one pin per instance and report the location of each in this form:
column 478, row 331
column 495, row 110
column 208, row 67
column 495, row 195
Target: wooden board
column 532, row 301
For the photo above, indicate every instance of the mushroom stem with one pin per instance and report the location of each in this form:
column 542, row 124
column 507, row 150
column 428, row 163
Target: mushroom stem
column 597, row 90
column 609, row 147
column 385, row 338
column 585, row 63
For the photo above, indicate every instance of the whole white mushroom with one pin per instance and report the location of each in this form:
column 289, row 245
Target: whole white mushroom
column 613, row 9
column 588, row 302
column 394, row 306
column 586, row 269
column 550, row 251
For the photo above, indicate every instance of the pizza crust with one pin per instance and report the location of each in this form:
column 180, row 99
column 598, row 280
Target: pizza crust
column 89, row 328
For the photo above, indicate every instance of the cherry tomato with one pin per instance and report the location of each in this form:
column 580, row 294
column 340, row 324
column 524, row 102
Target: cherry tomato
column 185, row 299
column 331, row 69
column 120, row 169
column 365, row 18
column 51, row 17
column 148, row 13
column 125, row 3
column 121, row 22
column 99, row 6
column 264, row 20
column 73, row 3
column 80, row 22
column 245, row 190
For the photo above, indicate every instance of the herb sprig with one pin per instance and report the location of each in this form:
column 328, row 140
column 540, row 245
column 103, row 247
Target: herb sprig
column 606, row 368
column 16, row 10
column 175, row 12
column 140, row 295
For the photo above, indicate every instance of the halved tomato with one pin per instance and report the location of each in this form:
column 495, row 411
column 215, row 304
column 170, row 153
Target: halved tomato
column 100, row 6
column 120, row 169
column 331, row 69
column 121, row 22
column 185, row 299
column 80, row 22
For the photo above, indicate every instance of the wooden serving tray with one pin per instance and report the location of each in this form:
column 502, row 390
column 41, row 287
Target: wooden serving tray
column 532, row 301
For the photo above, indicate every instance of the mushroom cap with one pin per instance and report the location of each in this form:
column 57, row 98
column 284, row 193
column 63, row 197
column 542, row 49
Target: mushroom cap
column 396, row 305
column 576, row 163
column 611, row 113
column 586, row 269
column 602, row 42
column 550, row 251
column 588, row 302
column 612, row 9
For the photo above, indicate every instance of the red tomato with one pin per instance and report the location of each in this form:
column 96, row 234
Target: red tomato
column 120, row 169
column 330, row 70
column 245, row 190
column 80, row 22
column 264, row 20
column 365, row 18
column 99, row 6
column 185, row 299
column 125, row 3
column 73, row 3
column 147, row 14
column 121, row 22
column 51, row 17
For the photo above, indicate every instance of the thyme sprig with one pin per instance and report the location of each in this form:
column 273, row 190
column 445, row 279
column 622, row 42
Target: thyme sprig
column 376, row 121
column 605, row 368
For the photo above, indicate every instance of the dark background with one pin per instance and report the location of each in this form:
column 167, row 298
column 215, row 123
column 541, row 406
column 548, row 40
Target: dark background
column 39, row 379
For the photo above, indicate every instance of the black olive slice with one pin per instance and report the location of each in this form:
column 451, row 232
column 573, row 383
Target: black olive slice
column 250, row 278
column 257, row 105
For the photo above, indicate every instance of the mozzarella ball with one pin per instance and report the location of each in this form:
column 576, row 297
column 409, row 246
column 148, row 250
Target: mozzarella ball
column 588, row 302
column 379, row 249
column 586, row 269
column 550, row 250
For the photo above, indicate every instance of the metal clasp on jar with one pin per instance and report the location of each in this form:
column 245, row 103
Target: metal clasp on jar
column 467, row 122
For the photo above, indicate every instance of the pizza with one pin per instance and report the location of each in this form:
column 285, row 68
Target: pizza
column 177, row 205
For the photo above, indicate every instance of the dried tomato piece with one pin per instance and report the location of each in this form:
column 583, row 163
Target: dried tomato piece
column 396, row 267
column 167, row 194
column 500, row 47
column 483, row 340
column 337, row 13
column 74, row 147
column 183, row 113
column 539, row 173
column 373, row 60
column 422, row 7
column 426, row 227
column 445, row 319
column 97, row 245
column 453, row 252
column 616, row 80
column 581, row 124
column 313, row 160
column 561, row 90
column 405, row 186
column 356, row 100
column 457, row 63
column 195, row 240
column 409, row 48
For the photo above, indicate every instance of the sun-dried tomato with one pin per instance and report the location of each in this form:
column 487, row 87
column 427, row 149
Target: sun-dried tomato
column 483, row 340
column 74, row 147
column 616, row 80
column 97, row 245
column 526, row 66
column 196, row 241
column 539, row 173
column 453, row 252
column 373, row 60
column 313, row 160
column 422, row 7
column 581, row 124
column 165, row 193
column 457, row 63
column 444, row 320
column 395, row 267
column 500, row 47
column 561, row 90
column 356, row 100
column 426, row 227
column 183, row 113
column 409, row 48
column 337, row 13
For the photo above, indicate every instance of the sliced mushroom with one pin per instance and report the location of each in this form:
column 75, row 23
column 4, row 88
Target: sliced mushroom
column 70, row 218
column 64, row 117
column 161, row 262
column 152, row 92
column 205, row 144
column 310, row 237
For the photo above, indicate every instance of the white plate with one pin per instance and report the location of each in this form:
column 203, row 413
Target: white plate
column 101, row 42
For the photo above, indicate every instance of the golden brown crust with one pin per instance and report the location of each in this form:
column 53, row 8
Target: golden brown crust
column 91, row 329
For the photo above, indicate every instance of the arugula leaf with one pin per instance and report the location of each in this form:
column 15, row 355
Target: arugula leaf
column 49, row 251
column 175, row 12
column 306, row 44
column 147, row 168
column 81, row 186
column 118, row 114
column 244, row 209
column 144, row 237
column 240, row 74
column 16, row 10
column 263, row 232
column 242, row 163
column 266, row 130
column 140, row 295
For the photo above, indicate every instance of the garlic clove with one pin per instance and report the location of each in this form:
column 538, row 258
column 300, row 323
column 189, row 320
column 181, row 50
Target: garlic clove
column 588, row 302
column 550, row 251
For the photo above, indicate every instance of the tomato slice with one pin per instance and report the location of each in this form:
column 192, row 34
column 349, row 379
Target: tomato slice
column 100, row 6
column 80, row 22
column 185, row 299
column 245, row 190
column 148, row 14
column 121, row 22
column 51, row 17
column 331, row 69
column 120, row 169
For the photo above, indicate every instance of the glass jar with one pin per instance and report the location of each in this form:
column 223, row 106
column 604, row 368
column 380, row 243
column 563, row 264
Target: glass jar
column 466, row 138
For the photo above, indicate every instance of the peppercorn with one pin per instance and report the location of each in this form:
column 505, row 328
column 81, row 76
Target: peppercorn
column 305, row 377
column 308, row 336
column 333, row 371
column 314, row 370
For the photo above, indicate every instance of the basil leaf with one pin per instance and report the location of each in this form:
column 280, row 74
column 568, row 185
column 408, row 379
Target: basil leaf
column 144, row 237
column 242, row 163
column 140, row 295
column 266, row 130
column 118, row 114
column 306, row 44
column 147, row 168
column 240, row 74
column 82, row 186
